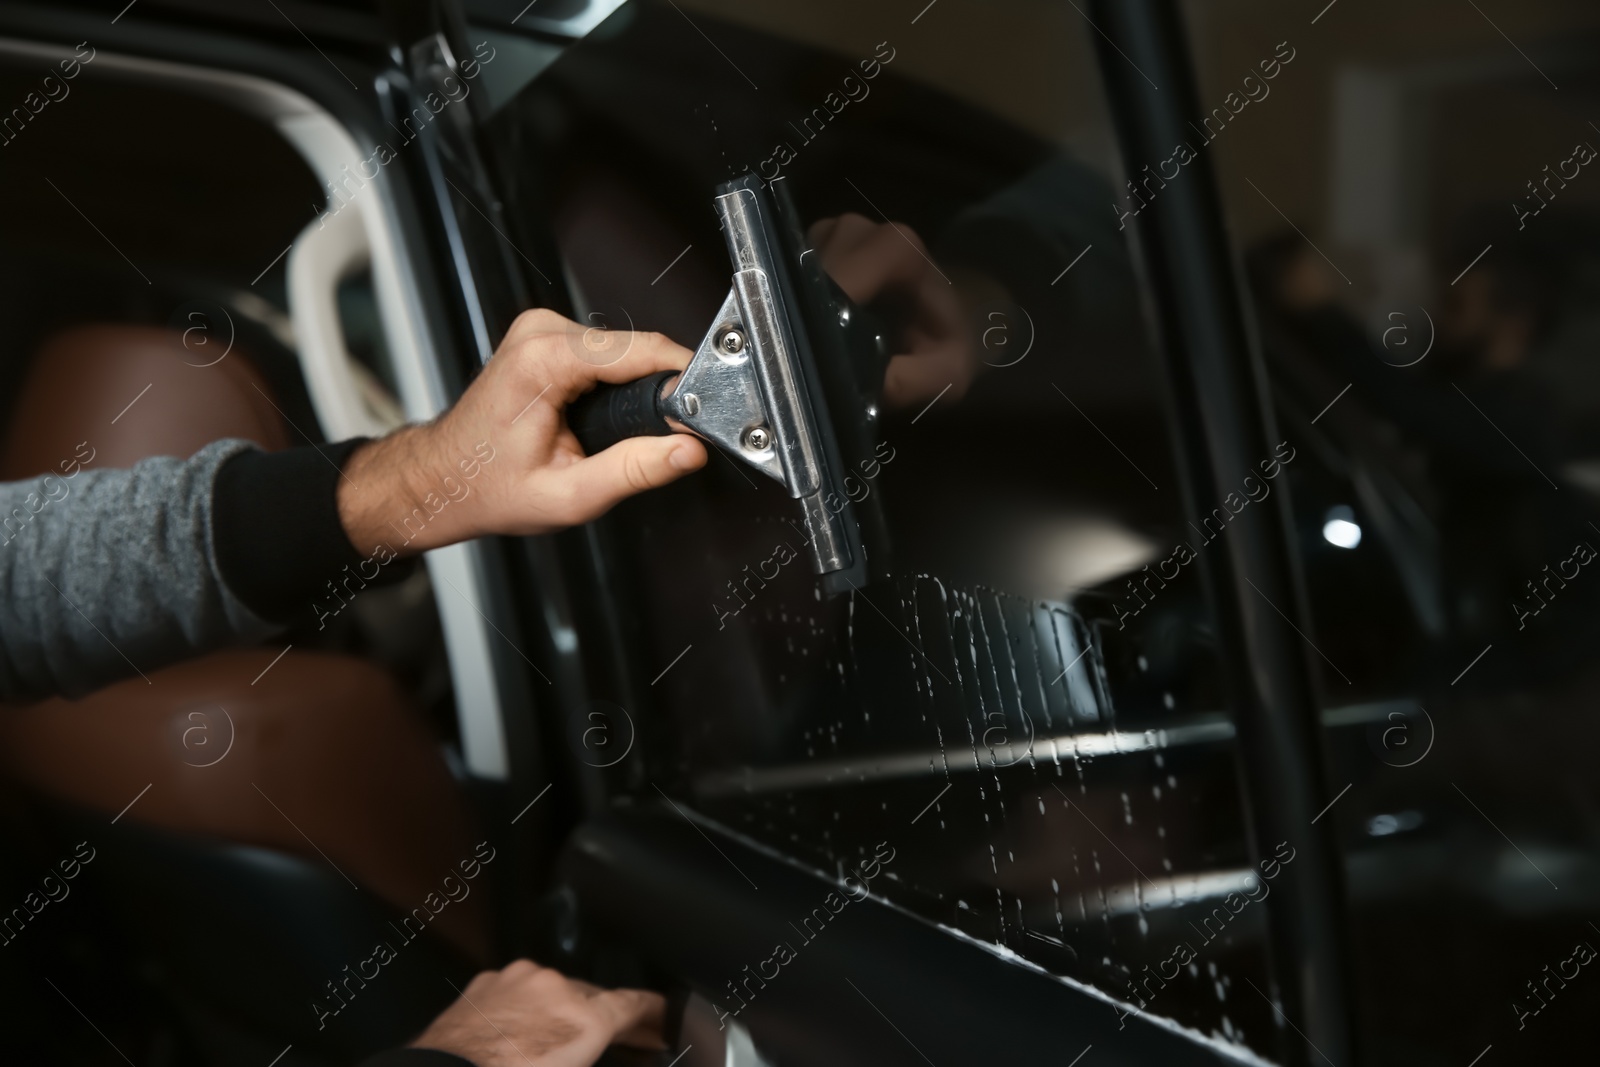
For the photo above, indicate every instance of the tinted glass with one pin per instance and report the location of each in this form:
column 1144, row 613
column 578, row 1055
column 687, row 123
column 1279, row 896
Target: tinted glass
column 1021, row 700
column 1412, row 193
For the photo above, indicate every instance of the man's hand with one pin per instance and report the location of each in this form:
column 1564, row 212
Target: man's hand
column 532, row 1016
column 502, row 461
column 888, row 261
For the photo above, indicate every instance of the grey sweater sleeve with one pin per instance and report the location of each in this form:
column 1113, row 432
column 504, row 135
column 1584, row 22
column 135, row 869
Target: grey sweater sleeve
column 106, row 574
column 112, row 574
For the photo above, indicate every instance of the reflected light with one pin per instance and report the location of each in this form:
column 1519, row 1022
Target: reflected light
column 1398, row 822
column 1339, row 528
column 1082, row 551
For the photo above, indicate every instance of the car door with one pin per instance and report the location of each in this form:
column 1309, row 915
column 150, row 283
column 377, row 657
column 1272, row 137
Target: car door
column 1041, row 778
column 1420, row 227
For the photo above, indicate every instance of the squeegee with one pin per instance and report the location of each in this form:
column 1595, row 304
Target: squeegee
column 758, row 386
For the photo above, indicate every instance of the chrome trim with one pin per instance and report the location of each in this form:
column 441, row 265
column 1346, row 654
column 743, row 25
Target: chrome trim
column 1204, row 729
column 934, row 762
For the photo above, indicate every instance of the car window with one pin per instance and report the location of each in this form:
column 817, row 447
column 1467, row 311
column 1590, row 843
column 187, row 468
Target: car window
column 1016, row 725
column 1412, row 197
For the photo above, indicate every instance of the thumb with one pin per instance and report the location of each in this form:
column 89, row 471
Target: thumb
column 597, row 484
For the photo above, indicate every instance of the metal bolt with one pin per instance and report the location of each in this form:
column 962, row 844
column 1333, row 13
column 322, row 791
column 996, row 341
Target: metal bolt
column 732, row 341
column 691, row 404
column 757, row 438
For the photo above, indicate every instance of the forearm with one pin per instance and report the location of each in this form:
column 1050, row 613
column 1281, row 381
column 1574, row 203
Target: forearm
column 111, row 573
column 408, row 492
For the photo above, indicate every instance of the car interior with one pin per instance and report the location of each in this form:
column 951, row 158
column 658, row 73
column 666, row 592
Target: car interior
column 342, row 742
column 1023, row 715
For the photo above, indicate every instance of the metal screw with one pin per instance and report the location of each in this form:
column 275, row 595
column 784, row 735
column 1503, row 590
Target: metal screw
column 757, row 438
column 732, row 341
column 691, row 404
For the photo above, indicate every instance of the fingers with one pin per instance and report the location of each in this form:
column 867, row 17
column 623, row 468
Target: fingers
column 593, row 486
column 637, row 1017
column 522, row 968
column 623, row 356
column 868, row 263
column 547, row 349
column 920, row 379
column 837, row 235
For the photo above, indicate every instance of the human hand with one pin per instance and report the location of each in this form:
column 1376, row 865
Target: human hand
column 503, row 460
column 872, row 261
column 532, row 1016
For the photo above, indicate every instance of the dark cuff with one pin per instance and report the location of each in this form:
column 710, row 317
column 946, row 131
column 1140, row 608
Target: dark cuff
column 415, row 1057
column 276, row 532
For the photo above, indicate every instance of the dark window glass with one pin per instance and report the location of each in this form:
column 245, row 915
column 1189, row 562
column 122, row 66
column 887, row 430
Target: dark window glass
column 1415, row 200
column 1023, row 702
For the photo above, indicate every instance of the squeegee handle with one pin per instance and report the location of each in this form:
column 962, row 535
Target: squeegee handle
column 611, row 413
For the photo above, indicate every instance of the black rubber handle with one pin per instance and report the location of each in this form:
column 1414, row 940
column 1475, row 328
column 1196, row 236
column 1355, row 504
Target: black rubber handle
column 612, row 413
